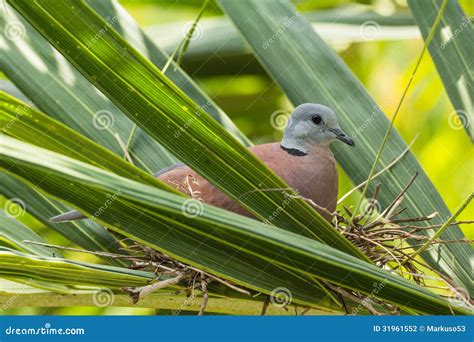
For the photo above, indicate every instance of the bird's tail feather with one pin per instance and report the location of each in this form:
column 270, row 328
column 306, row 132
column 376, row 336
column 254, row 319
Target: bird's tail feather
column 69, row 216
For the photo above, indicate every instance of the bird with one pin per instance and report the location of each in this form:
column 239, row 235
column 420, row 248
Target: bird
column 302, row 159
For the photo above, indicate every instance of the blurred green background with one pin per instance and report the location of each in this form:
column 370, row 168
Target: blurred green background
column 249, row 97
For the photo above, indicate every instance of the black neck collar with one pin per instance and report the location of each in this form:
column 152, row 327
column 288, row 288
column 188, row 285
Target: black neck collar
column 294, row 151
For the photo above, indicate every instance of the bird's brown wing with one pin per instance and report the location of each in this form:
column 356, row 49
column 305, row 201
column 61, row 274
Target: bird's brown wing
column 168, row 169
column 186, row 180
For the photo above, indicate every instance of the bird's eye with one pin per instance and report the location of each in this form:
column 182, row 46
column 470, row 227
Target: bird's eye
column 317, row 119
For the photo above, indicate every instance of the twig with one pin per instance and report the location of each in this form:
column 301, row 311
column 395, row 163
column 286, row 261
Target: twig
column 381, row 246
column 417, row 228
column 372, row 202
column 356, row 299
column 315, row 205
column 131, row 136
column 222, row 281
column 205, row 295
column 392, row 212
column 434, row 242
column 443, row 227
column 195, row 194
column 347, row 194
column 138, row 293
column 183, row 45
column 266, row 302
column 400, row 195
column 415, row 219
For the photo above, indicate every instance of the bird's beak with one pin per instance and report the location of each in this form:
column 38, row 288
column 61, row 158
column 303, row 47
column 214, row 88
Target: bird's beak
column 340, row 135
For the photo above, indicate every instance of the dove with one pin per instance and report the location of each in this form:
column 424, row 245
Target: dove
column 302, row 159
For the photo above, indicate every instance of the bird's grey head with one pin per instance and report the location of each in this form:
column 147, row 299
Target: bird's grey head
column 310, row 125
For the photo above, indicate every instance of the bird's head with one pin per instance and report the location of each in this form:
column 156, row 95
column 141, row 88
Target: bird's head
column 312, row 124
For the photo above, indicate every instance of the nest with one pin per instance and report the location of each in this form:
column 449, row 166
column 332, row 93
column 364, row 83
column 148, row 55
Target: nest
column 173, row 272
column 381, row 235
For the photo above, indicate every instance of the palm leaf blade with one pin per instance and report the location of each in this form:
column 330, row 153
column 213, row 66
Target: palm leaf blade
column 451, row 49
column 15, row 233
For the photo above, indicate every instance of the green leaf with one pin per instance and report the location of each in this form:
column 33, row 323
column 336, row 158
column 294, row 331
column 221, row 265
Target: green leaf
column 13, row 233
column 17, row 265
column 78, row 112
column 26, row 285
column 317, row 74
column 86, row 234
column 25, row 123
column 150, row 226
column 171, row 117
column 452, row 49
column 228, row 245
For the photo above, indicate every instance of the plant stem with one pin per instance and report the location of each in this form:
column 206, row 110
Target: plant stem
column 389, row 129
column 158, row 300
